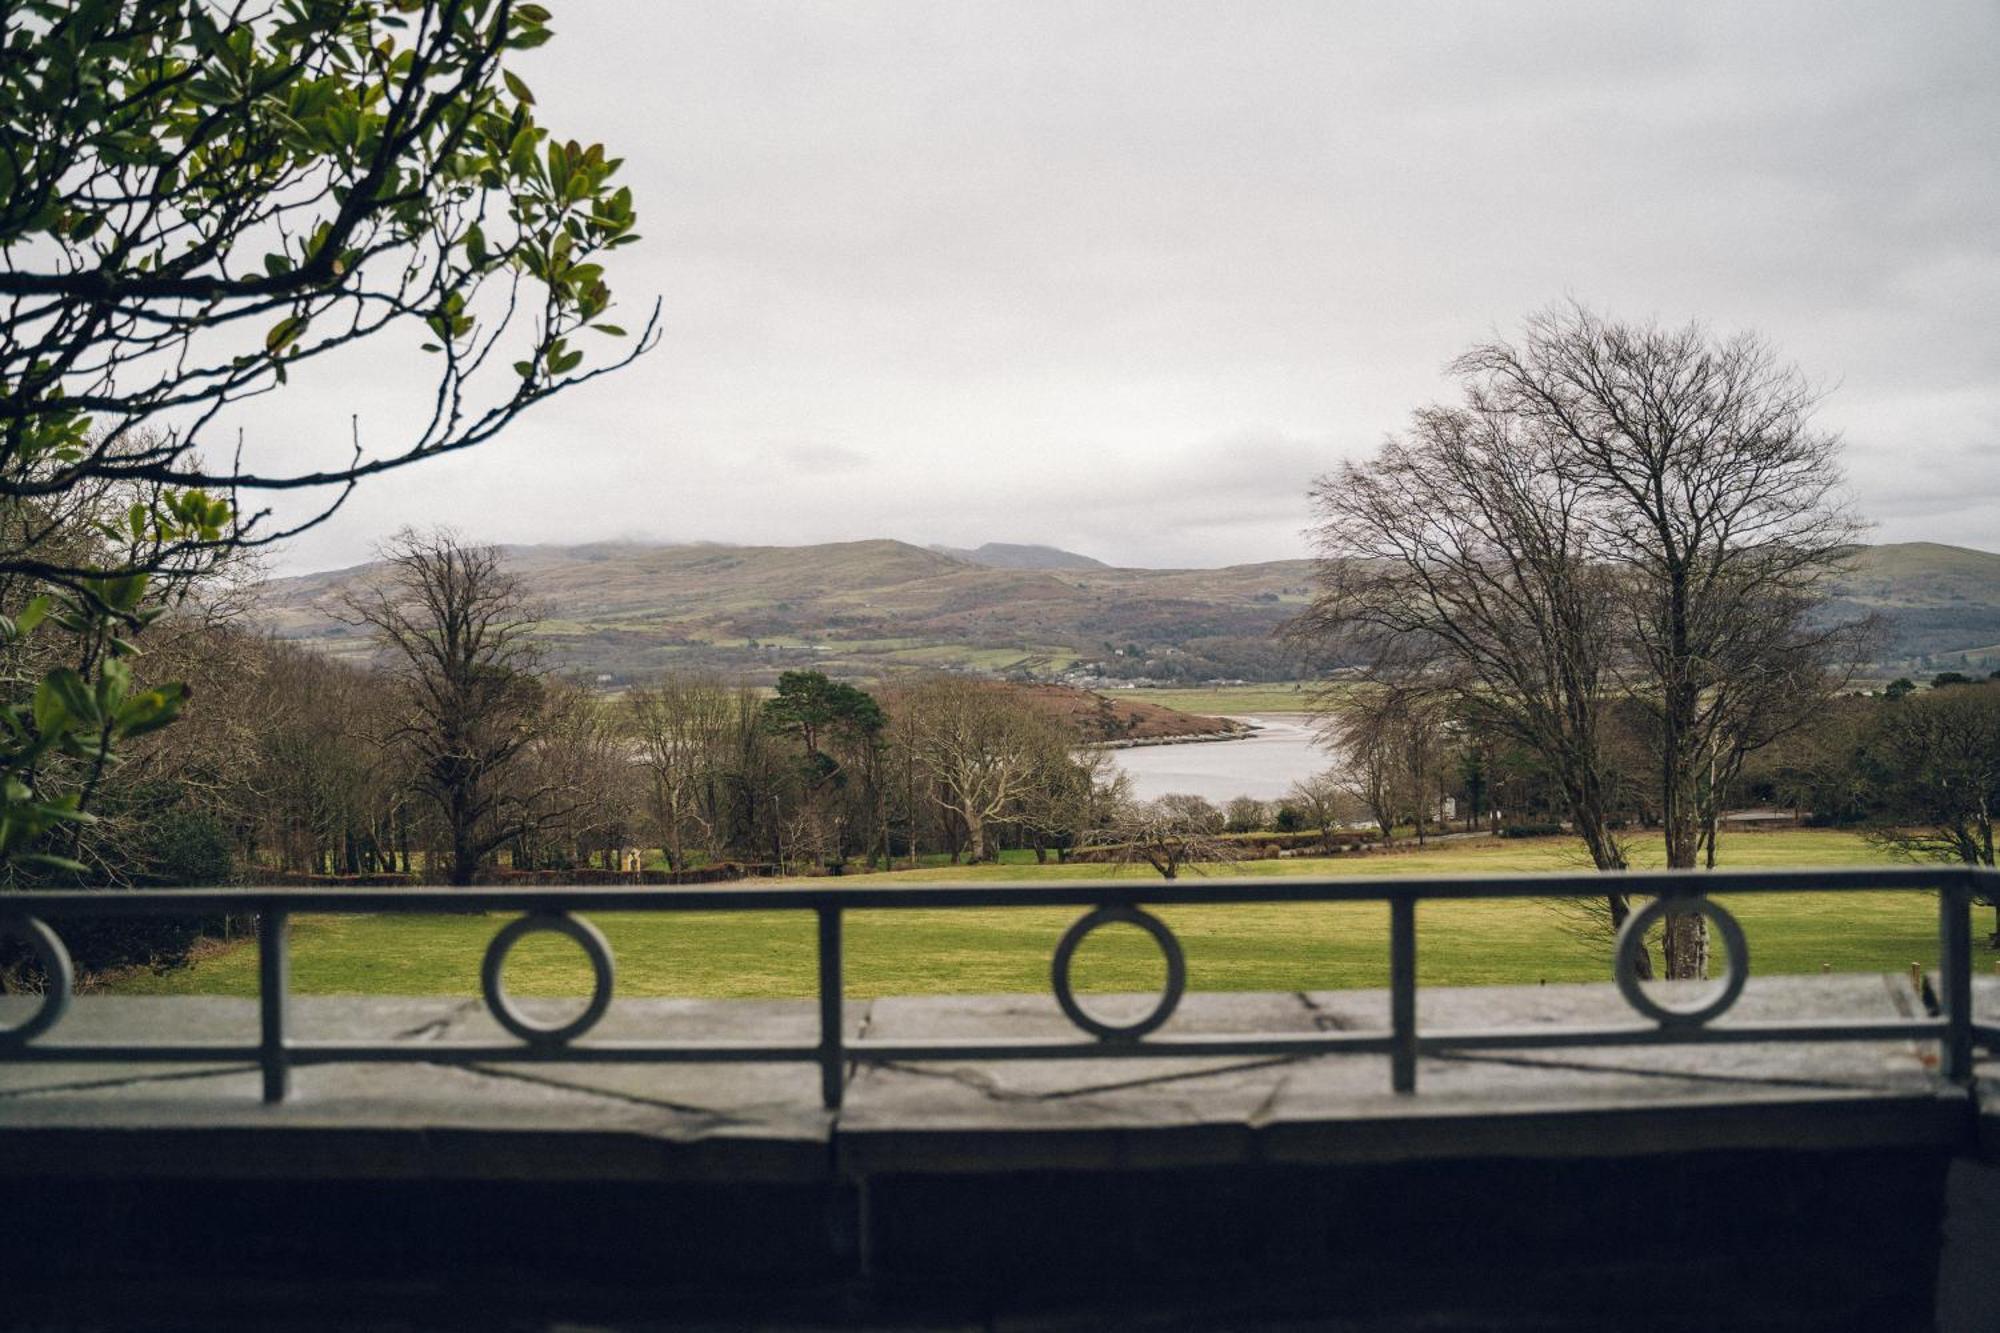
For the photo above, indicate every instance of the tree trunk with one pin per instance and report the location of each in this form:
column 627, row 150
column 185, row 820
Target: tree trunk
column 975, row 835
column 1587, row 816
column 1686, row 941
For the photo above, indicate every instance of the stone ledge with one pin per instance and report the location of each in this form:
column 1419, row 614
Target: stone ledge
column 627, row 1122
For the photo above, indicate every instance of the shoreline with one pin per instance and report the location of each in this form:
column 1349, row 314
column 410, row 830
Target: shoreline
column 1241, row 731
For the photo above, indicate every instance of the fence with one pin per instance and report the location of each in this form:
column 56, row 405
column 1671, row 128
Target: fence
column 29, row 917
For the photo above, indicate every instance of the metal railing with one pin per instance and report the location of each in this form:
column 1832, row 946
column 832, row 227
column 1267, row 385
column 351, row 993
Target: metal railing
column 28, row 915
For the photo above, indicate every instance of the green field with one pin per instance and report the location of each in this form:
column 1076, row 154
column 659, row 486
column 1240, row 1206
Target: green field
column 1248, row 947
column 1214, row 700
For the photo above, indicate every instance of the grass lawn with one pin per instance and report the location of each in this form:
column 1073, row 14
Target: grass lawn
column 1299, row 946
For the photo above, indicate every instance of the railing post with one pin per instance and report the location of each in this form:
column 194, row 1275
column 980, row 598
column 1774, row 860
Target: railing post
column 1955, row 969
column 832, row 1019
column 274, row 981
column 1403, row 992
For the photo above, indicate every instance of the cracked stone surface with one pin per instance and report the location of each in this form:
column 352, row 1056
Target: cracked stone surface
column 1341, row 1107
column 765, row 1121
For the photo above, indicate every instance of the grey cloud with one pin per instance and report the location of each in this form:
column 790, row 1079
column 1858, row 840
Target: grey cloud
column 1124, row 276
column 815, row 460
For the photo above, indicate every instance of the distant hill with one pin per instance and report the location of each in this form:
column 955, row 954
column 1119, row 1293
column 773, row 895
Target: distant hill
column 1939, row 605
column 873, row 608
column 1006, row 555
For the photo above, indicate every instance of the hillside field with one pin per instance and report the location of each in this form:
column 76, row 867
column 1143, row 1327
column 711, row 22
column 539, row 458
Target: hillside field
column 1249, row 947
column 1224, row 700
column 866, row 610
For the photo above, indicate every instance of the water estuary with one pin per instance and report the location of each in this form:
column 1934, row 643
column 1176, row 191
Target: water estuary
column 1263, row 765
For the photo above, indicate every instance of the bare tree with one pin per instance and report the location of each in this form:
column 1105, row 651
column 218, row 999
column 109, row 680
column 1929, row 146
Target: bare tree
column 580, row 768
column 1370, row 769
column 1392, row 744
column 1705, row 489
column 1075, row 793
column 1246, row 814
column 681, row 725
column 321, row 788
column 1615, row 510
column 453, row 624
column 1170, row 834
column 980, row 744
column 1452, row 567
column 1323, row 801
column 1934, row 761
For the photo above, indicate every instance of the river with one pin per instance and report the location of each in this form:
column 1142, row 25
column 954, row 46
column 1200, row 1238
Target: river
column 1263, row 765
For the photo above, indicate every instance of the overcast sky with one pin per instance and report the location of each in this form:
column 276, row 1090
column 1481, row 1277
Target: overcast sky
column 1124, row 277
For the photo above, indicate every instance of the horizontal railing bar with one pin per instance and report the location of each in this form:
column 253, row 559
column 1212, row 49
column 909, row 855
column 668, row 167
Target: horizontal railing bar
column 881, row 1050
column 1082, row 893
column 1290, row 1043
column 1468, row 1039
column 1381, row 1042
column 335, row 1052
column 108, row 1053
column 592, row 1052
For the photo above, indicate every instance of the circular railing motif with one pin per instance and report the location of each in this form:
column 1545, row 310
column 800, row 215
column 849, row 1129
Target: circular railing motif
column 1170, row 997
column 54, row 958
column 587, row 936
column 1632, row 939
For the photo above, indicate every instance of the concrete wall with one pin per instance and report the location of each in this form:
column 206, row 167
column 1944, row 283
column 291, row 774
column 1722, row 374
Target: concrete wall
column 1688, row 1241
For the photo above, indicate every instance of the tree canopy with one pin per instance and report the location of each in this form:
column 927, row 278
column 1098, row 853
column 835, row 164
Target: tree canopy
column 198, row 201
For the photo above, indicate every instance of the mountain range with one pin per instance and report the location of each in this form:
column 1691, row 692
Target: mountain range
column 621, row 611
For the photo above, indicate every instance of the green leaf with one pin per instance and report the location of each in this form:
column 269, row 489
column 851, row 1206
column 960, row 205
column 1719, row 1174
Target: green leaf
column 122, row 593
column 50, row 860
column 521, row 154
column 51, row 719
column 114, row 682
column 284, row 333
column 516, row 87
column 31, row 616
column 150, row 710
column 70, row 688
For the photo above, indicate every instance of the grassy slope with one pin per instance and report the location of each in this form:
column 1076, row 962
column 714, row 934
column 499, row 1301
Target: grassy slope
column 1921, row 573
column 1249, row 947
column 871, row 607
